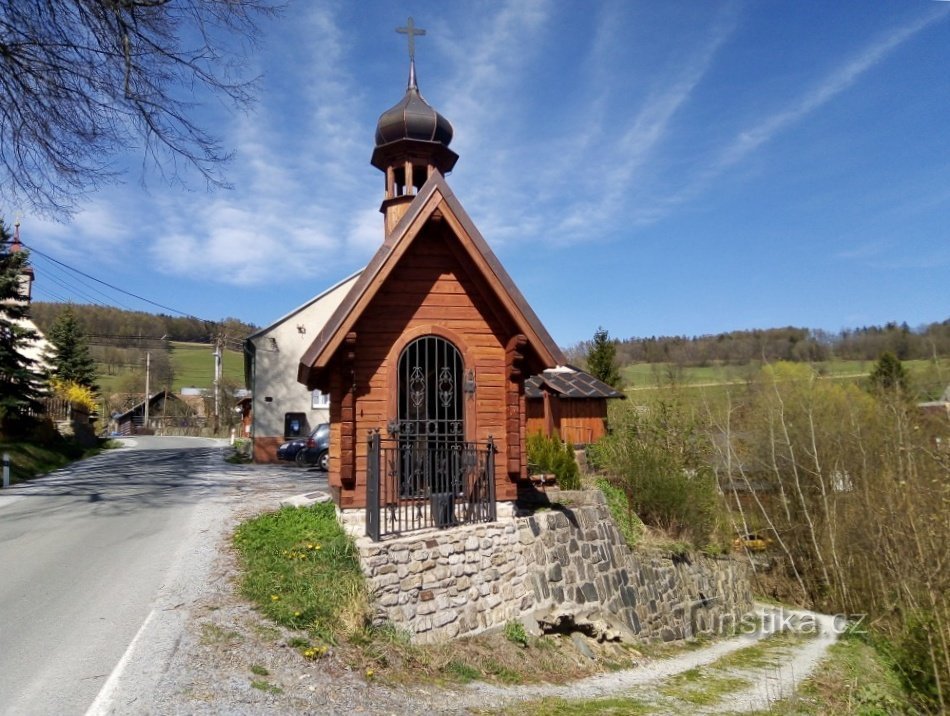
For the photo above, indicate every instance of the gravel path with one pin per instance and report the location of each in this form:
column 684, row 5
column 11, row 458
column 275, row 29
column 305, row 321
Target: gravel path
column 770, row 683
column 207, row 652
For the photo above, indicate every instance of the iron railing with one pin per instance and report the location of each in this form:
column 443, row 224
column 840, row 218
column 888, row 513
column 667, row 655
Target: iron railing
column 414, row 483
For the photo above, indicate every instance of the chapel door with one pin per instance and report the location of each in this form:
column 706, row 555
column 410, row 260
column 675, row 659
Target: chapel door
column 430, row 423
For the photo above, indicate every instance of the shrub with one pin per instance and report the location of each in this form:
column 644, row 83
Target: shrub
column 626, row 519
column 659, row 459
column 515, row 633
column 551, row 455
column 74, row 393
column 920, row 661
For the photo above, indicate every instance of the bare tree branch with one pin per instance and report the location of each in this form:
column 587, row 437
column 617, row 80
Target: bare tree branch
column 83, row 80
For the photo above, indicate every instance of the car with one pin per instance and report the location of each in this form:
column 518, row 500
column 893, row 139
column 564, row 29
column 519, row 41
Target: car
column 753, row 542
column 309, row 451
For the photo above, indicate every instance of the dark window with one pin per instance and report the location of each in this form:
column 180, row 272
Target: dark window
column 295, row 425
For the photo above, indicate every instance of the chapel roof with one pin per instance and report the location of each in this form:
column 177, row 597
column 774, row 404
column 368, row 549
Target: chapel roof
column 435, row 196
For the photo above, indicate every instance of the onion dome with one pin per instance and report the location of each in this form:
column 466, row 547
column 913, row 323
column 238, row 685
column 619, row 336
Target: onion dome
column 412, row 131
column 413, row 118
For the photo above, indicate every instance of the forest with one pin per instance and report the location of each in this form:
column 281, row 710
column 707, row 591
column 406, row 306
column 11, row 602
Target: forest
column 122, row 328
column 785, row 344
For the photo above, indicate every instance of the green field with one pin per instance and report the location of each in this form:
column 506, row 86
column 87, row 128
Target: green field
column 193, row 365
column 928, row 378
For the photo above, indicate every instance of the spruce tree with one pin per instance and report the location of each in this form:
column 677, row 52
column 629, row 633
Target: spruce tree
column 602, row 359
column 71, row 360
column 20, row 387
column 889, row 375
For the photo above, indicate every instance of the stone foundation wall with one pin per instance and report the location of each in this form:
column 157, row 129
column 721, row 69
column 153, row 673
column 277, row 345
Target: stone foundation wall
column 570, row 560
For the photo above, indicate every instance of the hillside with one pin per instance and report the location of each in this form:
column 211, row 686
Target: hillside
column 179, row 349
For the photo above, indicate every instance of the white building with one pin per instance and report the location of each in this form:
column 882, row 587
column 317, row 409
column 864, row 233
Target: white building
column 282, row 408
column 39, row 349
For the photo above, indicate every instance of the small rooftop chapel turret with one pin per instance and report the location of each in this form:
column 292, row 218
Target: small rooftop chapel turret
column 412, row 141
column 27, row 276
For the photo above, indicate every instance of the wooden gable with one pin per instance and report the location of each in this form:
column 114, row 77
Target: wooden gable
column 435, row 203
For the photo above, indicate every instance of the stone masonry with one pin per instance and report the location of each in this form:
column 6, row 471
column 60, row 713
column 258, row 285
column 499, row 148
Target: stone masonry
column 570, row 559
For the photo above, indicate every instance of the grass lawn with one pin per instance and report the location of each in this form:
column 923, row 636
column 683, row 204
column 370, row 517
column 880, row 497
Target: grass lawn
column 193, row 364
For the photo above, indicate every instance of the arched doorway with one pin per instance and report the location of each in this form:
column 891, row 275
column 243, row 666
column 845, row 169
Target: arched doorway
column 430, row 422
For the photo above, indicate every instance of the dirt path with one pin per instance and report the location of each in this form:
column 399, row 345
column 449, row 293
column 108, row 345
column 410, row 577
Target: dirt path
column 754, row 669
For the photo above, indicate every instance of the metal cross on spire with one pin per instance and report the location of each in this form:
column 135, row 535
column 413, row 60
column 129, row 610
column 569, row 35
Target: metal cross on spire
column 413, row 32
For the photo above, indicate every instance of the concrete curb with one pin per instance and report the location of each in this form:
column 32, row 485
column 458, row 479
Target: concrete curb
column 305, row 500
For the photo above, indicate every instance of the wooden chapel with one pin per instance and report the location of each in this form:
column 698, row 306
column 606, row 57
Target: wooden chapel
column 431, row 348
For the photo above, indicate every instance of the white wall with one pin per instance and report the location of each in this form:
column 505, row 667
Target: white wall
column 278, row 350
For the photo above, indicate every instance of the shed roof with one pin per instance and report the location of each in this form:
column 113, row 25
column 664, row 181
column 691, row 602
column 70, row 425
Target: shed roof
column 569, row 382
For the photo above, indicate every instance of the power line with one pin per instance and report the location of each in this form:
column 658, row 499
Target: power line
column 116, row 288
column 110, row 299
column 73, row 289
column 45, row 290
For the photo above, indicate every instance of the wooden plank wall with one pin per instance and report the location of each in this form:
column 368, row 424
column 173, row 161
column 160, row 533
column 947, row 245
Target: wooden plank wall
column 580, row 422
column 429, row 288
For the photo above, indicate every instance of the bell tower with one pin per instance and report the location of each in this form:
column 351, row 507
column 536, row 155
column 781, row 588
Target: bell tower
column 412, row 141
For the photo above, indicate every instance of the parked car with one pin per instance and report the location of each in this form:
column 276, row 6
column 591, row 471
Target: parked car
column 312, row 450
column 754, row 542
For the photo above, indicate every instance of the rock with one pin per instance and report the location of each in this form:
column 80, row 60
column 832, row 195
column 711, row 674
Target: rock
column 581, row 643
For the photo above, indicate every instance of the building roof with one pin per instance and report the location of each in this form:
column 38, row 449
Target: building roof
column 140, row 406
column 319, row 297
column 434, row 196
column 569, row 382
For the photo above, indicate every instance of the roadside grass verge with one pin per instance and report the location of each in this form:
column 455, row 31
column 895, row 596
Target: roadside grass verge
column 855, row 678
column 302, row 571
column 31, row 459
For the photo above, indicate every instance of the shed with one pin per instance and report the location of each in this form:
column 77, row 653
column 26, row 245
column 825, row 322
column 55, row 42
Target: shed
column 569, row 403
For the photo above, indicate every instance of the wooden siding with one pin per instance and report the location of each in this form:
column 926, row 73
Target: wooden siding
column 578, row 421
column 428, row 293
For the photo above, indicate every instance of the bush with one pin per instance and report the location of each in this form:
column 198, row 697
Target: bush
column 920, row 661
column 626, row 519
column 659, row 460
column 515, row 633
column 551, row 455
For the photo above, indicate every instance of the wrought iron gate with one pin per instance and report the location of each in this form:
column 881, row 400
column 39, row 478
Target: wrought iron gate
column 429, row 394
column 426, row 474
column 468, row 496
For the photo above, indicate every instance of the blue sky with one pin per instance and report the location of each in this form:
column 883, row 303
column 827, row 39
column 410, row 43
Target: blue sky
column 654, row 168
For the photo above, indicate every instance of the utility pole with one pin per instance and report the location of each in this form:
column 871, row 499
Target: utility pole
column 148, row 363
column 217, row 383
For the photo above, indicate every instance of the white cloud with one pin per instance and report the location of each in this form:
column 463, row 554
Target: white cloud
column 828, row 88
column 624, row 188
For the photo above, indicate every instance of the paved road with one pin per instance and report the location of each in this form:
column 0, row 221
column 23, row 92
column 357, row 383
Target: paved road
column 94, row 559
